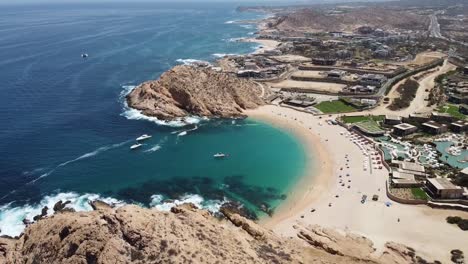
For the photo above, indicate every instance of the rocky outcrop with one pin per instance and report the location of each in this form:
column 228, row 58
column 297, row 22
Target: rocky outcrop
column 188, row 90
column 186, row 234
column 355, row 247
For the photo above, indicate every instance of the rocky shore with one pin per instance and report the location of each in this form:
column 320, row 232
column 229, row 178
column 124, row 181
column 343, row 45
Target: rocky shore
column 186, row 234
column 195, row 91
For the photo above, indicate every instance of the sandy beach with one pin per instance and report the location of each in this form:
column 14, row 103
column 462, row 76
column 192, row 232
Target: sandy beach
column 323, row 197
column 266, row 44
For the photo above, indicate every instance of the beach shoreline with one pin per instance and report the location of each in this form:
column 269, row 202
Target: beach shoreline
column 334, row 190
column 316, row 179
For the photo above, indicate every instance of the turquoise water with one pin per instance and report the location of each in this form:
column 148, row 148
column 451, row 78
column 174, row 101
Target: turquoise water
column 66, row 131
column 454, row 161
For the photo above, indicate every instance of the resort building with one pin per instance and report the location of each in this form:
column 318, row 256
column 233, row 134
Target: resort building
column 406, row 167
column 417, row 118
column 434, row 128
column 442, row 117
column 336, row 74
column 444, row 189
column 464, row 109
column 300, row 103
column 373, row 79
column 323, row 61
column 392, row 120
column 459, row 127
column 361, row 89
column 404, row 129
column 404, row 180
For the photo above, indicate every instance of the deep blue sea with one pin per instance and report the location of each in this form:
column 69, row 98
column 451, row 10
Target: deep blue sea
column 66, row 132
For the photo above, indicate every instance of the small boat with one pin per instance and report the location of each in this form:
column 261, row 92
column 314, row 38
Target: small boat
column 135, row 146
column 143, row 137
column 219, row 155
column 84, row 55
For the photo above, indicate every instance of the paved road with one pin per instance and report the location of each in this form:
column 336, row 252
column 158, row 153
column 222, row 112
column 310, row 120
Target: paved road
column 434, row 27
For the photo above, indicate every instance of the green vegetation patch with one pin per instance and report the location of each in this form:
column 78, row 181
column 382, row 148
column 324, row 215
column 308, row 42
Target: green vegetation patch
column 336, row 106
column 369, row 126
column 356, row 119
column 419, row 194
column 451, row 109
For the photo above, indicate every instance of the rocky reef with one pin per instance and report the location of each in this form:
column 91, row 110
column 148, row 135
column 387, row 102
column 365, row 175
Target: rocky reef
column 191, row 90
column 186, row 234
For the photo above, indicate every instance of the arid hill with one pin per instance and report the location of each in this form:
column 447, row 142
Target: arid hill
column 188, row 90
column 312, row 20
column 132, row 234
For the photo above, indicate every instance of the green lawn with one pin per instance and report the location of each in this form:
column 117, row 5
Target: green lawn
column 336, row 106
column 452, row 110
column 356, row 119
column 418, row 193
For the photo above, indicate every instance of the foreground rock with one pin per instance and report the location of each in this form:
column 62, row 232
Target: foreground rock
column 187, row 90
column 132, row 234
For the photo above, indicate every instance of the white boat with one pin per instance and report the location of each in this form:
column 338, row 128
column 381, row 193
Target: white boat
column 219, row 155
column 143, row 137
column 135, row 146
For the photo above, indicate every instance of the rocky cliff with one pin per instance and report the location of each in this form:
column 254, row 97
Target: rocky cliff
column 189, row 90
column 132, row 234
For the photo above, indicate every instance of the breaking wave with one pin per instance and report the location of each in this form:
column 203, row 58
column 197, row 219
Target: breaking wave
column 157, row 201
column 221, row 55
column 193, row 62
column 11, row 218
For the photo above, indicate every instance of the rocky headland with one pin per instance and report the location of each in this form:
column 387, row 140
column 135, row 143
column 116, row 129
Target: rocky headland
column 186, row 234
column 195, row 91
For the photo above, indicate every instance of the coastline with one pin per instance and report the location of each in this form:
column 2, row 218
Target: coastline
column 338, row 206
column 316, row 179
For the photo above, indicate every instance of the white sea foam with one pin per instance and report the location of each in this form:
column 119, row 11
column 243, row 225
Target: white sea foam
column 221, row 55
column 181, row 134
column 134, row 114
column 247, row 26
column 197, row 200
column 251, row 33
column 230, row 22
column 11, row 218
column 193, row 62
column 235, row 39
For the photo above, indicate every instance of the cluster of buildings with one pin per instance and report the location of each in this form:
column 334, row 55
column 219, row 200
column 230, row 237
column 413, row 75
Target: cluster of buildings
column 434, row 124
column 258, row 67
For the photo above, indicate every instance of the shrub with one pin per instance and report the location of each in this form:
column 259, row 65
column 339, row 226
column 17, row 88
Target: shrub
column 407, row 93
column 453, row 219
column 463, row 224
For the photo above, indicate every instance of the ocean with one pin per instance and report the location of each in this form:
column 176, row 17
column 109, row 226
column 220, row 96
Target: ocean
column 66, row 131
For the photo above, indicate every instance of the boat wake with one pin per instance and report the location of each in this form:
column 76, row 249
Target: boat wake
column 11, row 218
column 84, row 156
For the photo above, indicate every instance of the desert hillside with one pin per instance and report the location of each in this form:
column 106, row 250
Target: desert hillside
column 313, row 20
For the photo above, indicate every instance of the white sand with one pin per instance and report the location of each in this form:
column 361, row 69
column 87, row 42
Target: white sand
column 266, row 44
column 421, row 227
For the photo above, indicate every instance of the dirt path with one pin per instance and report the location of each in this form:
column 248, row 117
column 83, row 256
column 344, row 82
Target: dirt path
column 418, row 105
